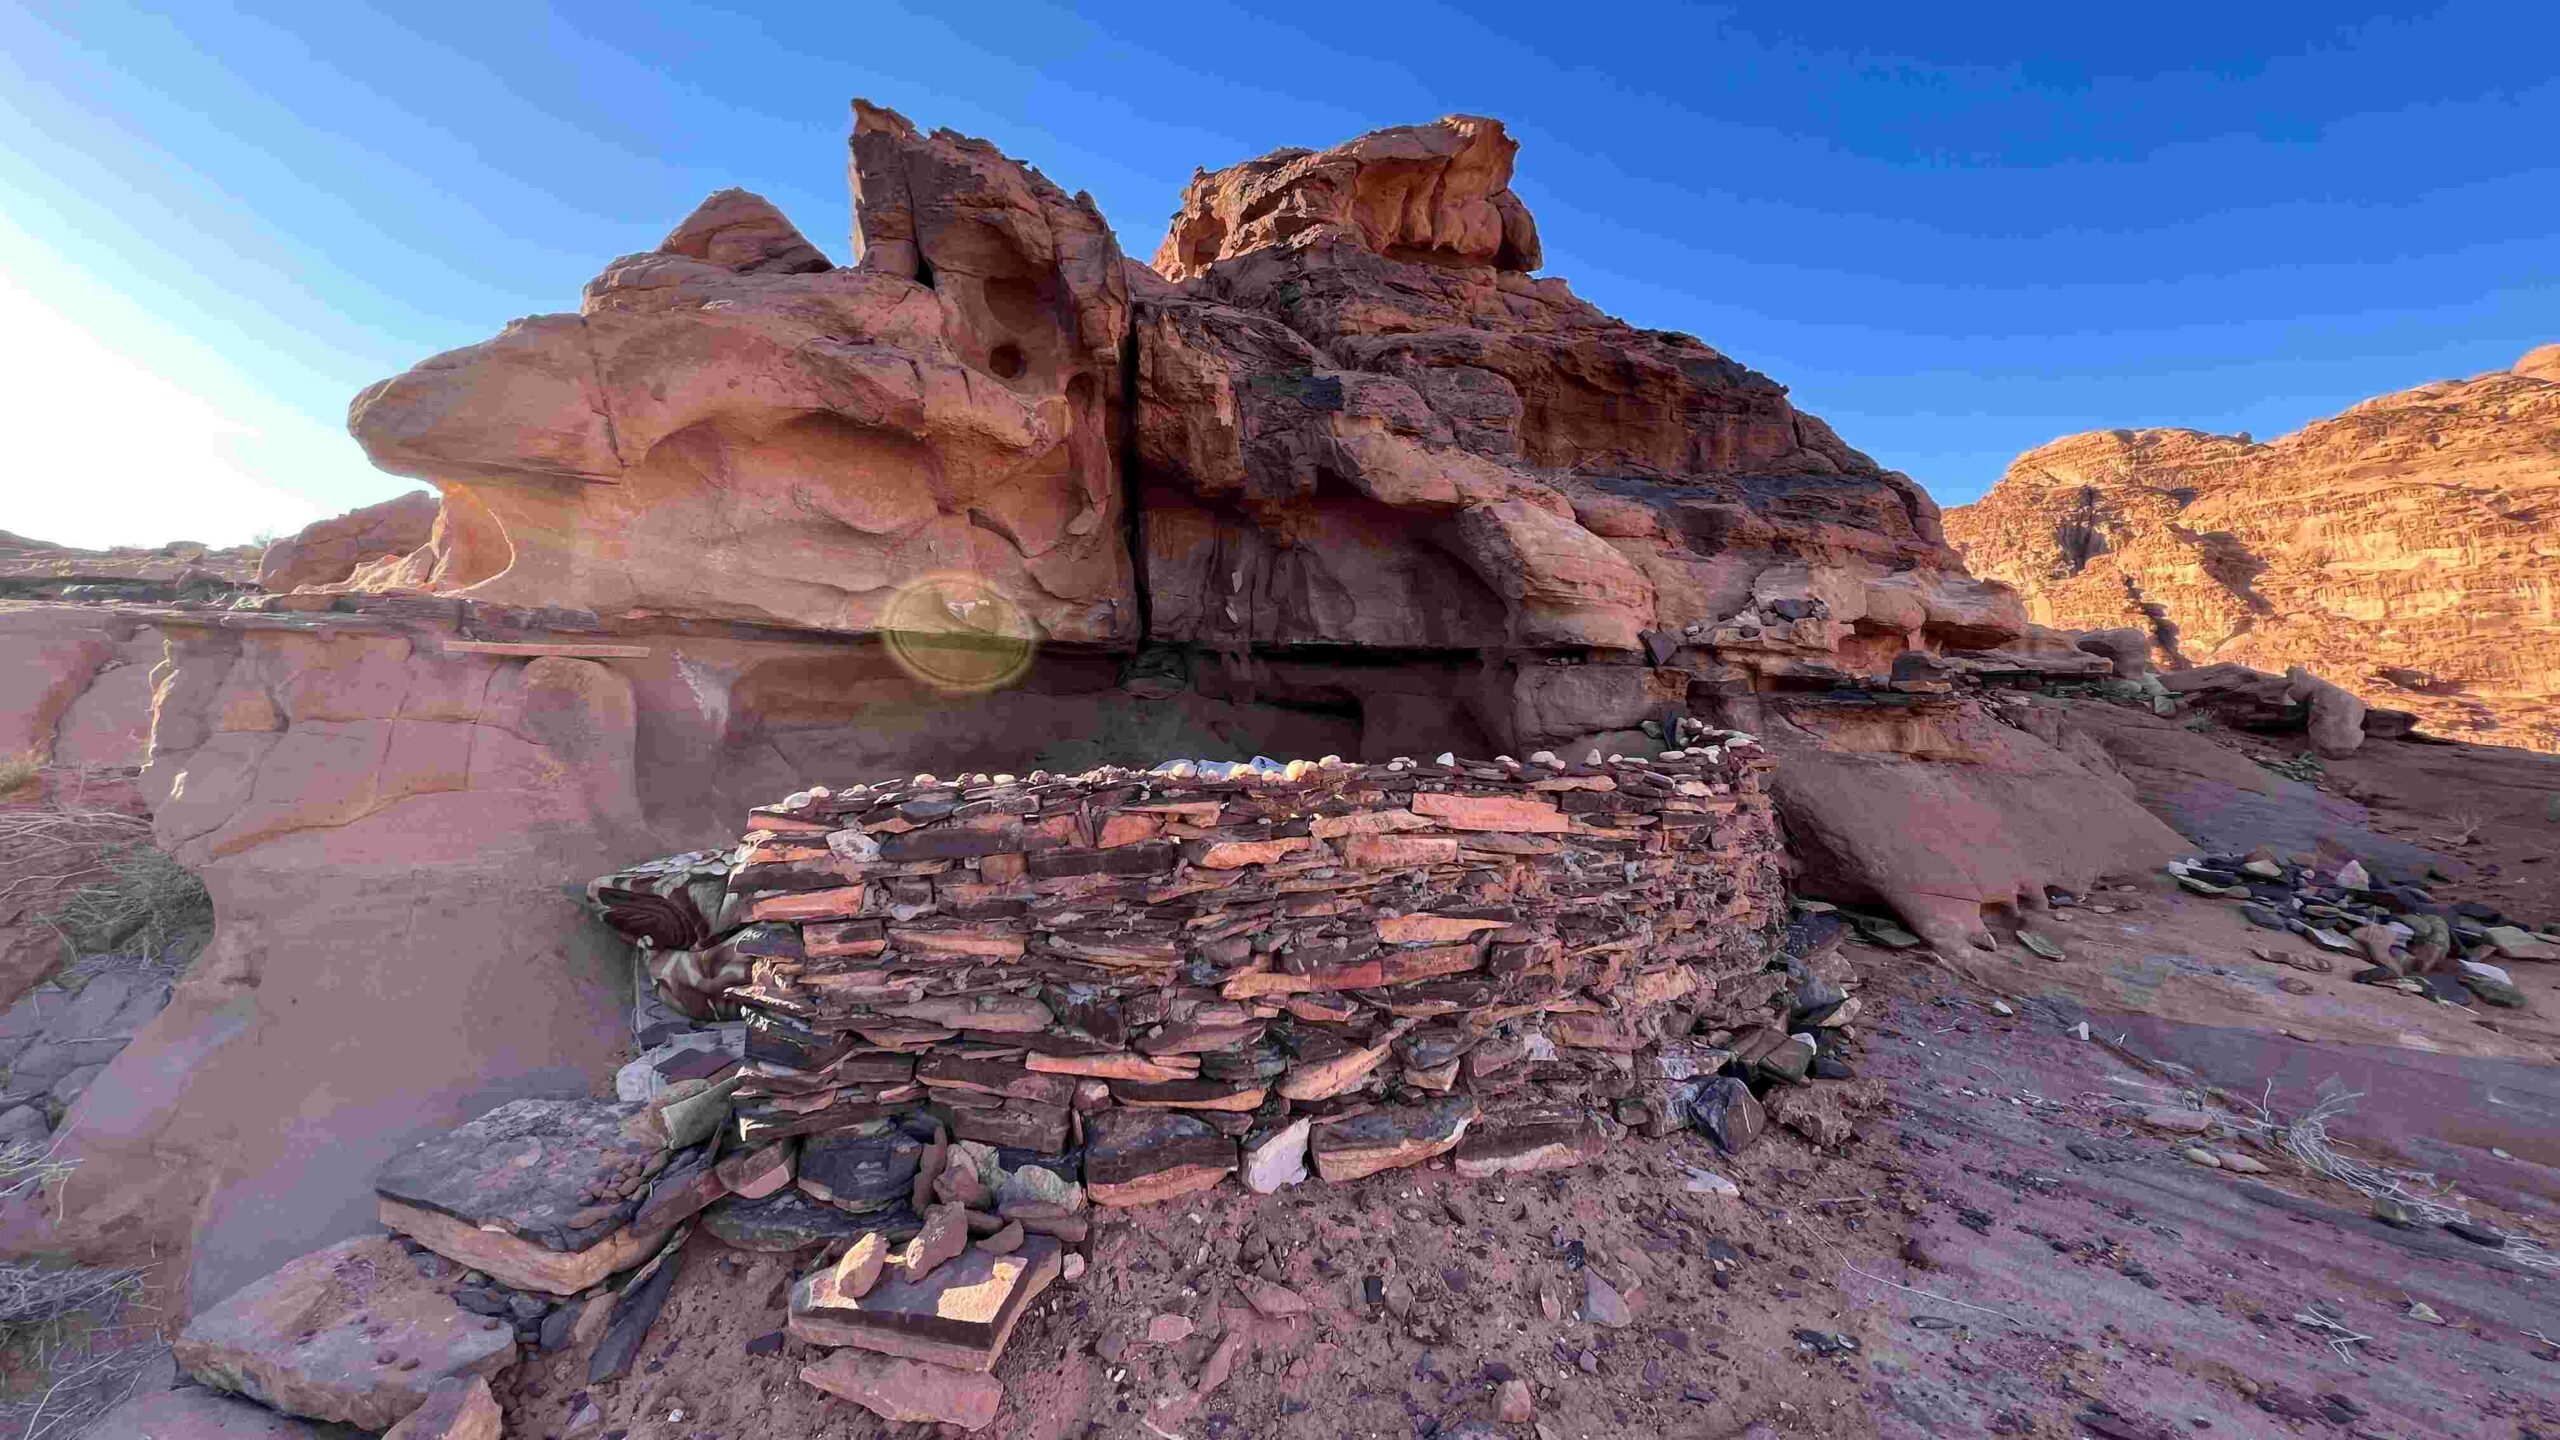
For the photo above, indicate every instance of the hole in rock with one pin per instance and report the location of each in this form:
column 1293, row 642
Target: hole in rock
column 1006, row 361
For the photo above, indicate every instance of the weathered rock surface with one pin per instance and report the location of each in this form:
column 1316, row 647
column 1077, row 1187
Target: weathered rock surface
column 327, row 552
column 460, row 1409
column 382, row 1000
column 908, row 1392
column 2401, row 548
column 1935, row 810
column 1360, row 421
column 1437, row 193
column 349, row 1333
column 194, row 1414
column 75, row 684
column 728, row 429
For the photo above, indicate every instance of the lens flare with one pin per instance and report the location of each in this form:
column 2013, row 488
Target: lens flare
column 958, row 634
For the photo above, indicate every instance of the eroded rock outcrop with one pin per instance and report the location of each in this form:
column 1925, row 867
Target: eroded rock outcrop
column 728, row 429
column 1438, row 193
column 1345, row 453
column 2403, row 548
column 1360, row 421
column 328, row 552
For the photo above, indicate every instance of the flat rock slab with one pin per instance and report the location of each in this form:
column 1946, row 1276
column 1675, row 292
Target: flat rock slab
column 455, row 1410
column 193, row 1414
column 959, row 1316
column 906, row 1392
column 861, row 1173
column 788, row 1220
column 520, row 1263
column 351, row 1333
column 1529, row 1143
column 1137, row 1157
column 549, row 1171
column 1394, row 1136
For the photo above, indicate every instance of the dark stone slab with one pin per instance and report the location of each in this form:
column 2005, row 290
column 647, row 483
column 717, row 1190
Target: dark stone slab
column 634, row 1311
column 1391, row 1137
column 530, row 1166
column 862, row 1172
column 1018, row 1124
column 960, row 1315
column 1122, row 1147
column 762, row 1124
column 681, row 1190
column 1147, row 857
column 1726, row 1112
column 788, row 1220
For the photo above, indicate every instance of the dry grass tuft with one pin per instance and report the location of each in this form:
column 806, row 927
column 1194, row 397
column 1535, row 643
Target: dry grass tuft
column 142, row 901
column 26, row 1168
column 2307, row 1140
column 69, row 1355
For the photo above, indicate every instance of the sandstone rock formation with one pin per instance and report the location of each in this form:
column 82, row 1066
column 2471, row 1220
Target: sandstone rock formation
column 327, row 552
column 75, row 685
column 1344, row 454
column 1357, row 484
column 725, row 430
column 2403, row 548
column 1437, row 193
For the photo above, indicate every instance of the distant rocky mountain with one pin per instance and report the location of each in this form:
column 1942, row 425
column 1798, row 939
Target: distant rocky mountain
column 2408, row 548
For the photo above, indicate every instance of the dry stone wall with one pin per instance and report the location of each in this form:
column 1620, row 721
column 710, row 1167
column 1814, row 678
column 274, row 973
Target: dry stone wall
column 1182, row 973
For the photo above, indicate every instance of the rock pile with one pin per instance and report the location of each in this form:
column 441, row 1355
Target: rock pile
column 2409, row 939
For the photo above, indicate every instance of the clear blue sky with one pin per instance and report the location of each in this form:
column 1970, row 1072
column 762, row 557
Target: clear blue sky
column 1955, row 231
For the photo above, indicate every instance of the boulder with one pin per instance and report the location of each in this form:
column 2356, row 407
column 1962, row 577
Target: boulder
column 327, row 552
column 447, row 798
column 2127, row 646
column 2336, row 719
column 1940, row 813
column 350, row 1333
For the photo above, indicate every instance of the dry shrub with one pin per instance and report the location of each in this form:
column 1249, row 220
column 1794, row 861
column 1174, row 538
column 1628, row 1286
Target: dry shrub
column 68, row 1353
column 142, row 902
column 17, row 773
column 26, row 1168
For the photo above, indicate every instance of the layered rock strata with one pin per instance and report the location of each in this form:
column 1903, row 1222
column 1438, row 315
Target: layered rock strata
column 2402, row 548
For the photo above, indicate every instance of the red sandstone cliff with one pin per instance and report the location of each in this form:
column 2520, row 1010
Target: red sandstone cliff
column 2408, row 548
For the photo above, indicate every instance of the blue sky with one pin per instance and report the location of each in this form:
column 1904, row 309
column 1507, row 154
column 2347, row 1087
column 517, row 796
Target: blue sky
column 1955, row 231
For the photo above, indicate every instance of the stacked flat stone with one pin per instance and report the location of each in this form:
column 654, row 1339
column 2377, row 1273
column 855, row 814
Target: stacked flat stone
column 1148, row 981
